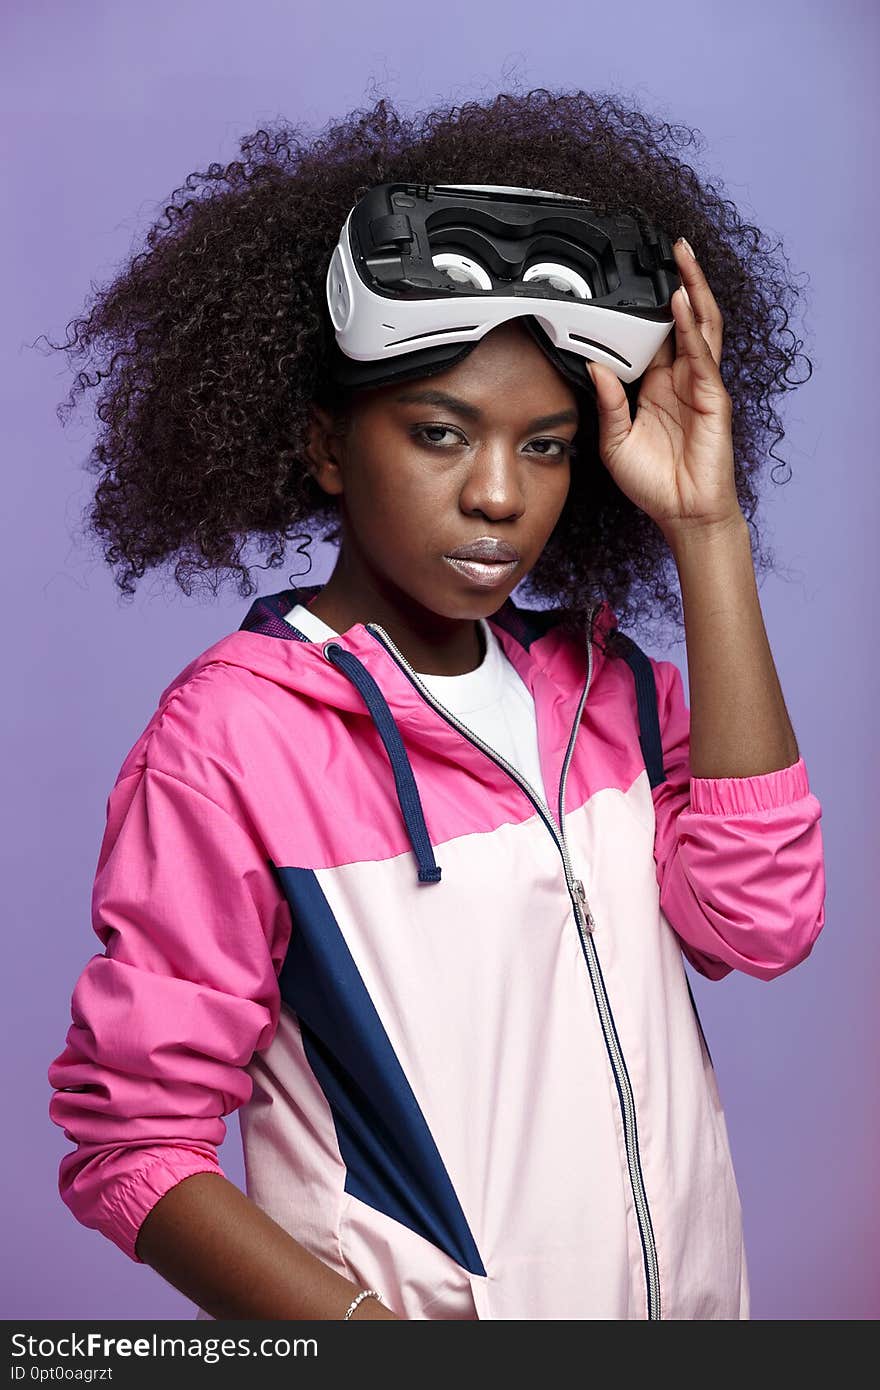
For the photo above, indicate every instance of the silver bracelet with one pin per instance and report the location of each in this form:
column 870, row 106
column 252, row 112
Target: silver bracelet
column 364, row 1293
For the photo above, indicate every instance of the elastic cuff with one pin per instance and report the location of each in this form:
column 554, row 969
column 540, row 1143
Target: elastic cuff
column 732, row 796
column 130, row 1203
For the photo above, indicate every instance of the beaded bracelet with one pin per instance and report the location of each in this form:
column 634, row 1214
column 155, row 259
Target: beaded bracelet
column 364, row 1293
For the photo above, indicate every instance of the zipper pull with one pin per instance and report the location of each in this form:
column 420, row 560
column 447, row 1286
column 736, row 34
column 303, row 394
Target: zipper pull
column 589, row 920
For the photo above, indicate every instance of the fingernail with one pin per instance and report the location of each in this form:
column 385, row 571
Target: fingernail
column 687, row 246
column 687, row 298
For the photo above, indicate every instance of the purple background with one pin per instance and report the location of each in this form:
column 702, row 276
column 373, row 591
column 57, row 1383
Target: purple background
column 106, row 109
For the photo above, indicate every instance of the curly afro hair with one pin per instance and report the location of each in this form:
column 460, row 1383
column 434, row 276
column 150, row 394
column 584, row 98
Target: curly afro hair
column 211, row 345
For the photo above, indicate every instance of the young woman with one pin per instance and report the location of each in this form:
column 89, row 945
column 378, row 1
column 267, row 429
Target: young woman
column 402, row 869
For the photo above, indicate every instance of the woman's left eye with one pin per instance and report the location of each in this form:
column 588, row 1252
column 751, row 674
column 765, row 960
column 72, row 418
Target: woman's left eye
column 421, row 431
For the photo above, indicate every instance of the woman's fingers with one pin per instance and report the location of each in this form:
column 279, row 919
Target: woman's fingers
column 699, row 313
column 705, row 312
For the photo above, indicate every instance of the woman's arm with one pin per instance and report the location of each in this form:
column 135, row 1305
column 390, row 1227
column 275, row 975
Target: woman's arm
column 739, row 724
column 215, row 1245
column 164, row 1024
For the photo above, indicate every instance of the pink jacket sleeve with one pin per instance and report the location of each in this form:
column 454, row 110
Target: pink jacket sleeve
column 739, row 860
column 194, row 928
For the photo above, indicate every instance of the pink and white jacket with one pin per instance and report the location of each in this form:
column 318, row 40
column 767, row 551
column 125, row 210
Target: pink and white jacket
column 456, row 1019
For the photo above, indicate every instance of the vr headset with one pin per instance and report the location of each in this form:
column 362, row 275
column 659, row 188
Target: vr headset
column 422, row 271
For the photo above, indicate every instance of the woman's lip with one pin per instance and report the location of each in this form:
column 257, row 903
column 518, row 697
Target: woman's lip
column 481, row 572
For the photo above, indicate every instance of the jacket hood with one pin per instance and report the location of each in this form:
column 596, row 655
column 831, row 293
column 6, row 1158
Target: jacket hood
column 528, row 637
column 360, row 672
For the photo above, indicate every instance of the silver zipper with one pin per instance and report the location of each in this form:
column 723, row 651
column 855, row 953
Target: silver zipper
column 629, row 1114
column 586, row 925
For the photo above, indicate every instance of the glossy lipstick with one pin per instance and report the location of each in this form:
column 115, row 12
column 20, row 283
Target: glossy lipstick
column 486, row 560
column 481, row 572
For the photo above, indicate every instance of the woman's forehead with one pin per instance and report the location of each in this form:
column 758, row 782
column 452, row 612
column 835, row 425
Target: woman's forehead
column 509, row 349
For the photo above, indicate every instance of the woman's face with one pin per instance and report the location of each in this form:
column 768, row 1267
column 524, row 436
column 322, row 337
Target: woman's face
column 429, row 465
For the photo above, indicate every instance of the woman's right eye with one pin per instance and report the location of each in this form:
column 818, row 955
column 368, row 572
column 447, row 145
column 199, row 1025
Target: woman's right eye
column 421, row 430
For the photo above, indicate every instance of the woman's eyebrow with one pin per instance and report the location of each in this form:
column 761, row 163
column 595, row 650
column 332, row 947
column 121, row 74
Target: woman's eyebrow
column 471, row 412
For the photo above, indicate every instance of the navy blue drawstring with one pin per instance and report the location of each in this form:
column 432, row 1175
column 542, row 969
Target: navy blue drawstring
column 407, row 791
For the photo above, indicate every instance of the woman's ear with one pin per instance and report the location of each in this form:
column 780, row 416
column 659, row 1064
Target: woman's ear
column 323, row 450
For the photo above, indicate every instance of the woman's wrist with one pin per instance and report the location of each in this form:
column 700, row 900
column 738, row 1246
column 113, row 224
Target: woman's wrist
column 217, row 1247
column 367, row 1305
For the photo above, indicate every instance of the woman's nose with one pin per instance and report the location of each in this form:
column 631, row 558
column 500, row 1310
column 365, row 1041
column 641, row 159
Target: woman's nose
column 494, row 484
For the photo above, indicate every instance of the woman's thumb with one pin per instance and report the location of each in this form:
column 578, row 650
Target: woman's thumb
column 612, row 407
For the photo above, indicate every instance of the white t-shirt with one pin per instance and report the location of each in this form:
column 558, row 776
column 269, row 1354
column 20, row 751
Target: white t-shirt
column 493, row 701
